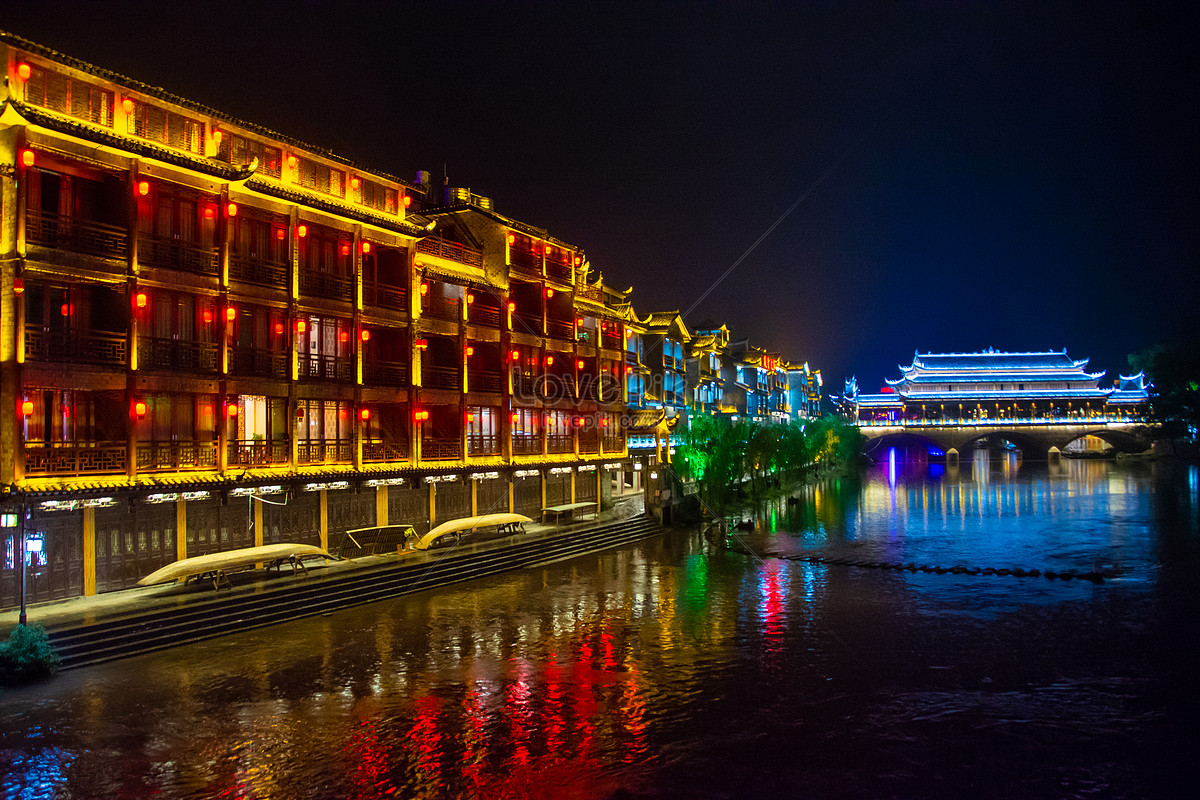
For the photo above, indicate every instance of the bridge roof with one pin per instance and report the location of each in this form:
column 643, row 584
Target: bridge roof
column 1047, row 394
column 990, row 360
column 996, row 376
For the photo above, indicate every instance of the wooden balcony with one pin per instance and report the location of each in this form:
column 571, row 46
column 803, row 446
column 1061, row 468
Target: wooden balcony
column 258, row 363
column 451, row 251
column 526, row 445
column 177, row 355
column 527, row 323
column 171, row 253
column 440, row 308
column 76, row 235
column 323, row 284
column 560, row 328
column 382, row 295
column 481, row 445
column 182, row 455
column 483, row 315
column 64, row 458
column 385, row 451
column 526, row 262
column 483, row 381
column 440, row 377
column 562, row 273
column 258, row 453
column 320, row 451
column 329, row 368
column 440, row 449
column 73, row 346
column 258, row 271
column 560, row 443
column 386, row 373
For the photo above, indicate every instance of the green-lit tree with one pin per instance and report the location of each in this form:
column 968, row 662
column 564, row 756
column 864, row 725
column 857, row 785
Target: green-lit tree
column 1174, row 374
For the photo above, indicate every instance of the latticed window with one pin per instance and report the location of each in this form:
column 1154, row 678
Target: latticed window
column 380, row 198
column 321, row 178
column 238, row 150
column 71, row 96
column 167, row 127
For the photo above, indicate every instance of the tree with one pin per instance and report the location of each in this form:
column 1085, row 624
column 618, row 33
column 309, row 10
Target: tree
column 1174, row 375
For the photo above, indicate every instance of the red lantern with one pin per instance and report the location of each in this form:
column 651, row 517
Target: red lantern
column 579, row 364
column 424, row 289
column 470, row 350
column 407, row 201
column 279, row 328
column 231, row 209
column 366, row 247
column 231, row 313
column 516, row 355
column 364, row 414
column 300, row 326
column 512, row 238
column 140, row 300
column 549, row 292
column 549, row 361
column 512, row 307
column 207, row 315
column 27, row 158
column 143, row 188
column 127, row 105
column 366, row 335
column 24, row 71
column 301, row 231
column 470, row 298
column 231, row 410
column 27, row 408
column 139, row 409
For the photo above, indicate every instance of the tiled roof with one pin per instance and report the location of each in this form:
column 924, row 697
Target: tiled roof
column 993, row 360
column 183, row 102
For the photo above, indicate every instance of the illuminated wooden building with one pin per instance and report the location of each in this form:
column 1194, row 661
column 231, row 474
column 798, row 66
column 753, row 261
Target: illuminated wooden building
column 997, row 387
column 213, row 335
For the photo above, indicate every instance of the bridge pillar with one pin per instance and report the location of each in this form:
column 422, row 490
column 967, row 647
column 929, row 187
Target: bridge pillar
column 952, row 457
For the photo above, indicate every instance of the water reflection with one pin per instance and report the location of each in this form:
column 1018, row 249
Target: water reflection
column 672, row 668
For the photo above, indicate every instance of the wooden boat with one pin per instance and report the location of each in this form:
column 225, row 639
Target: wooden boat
column 457, row 526
column 218, row 565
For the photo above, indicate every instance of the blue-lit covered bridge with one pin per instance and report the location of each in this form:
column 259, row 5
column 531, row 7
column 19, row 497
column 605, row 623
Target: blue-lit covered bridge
column 1035, row 438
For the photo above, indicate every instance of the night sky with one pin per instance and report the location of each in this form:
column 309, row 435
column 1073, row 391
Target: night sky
column 1016, row 176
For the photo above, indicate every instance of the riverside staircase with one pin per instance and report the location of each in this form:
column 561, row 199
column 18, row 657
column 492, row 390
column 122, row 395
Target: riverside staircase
column 134, row 628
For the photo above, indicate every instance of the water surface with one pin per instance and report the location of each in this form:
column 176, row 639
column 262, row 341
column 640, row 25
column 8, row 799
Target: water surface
column 678, row 669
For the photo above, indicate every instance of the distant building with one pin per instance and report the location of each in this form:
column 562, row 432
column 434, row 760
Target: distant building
column 993, row 385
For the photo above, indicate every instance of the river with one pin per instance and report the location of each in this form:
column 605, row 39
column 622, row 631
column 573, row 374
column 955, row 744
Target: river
column 676, row 668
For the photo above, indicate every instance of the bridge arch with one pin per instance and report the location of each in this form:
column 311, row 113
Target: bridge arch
column 1122, row 441
column 908, row 441
column 1030, row 446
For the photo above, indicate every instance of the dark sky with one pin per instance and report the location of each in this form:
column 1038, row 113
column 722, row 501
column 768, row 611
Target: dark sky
column 1017, row 176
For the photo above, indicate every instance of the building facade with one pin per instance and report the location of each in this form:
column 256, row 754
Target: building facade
column 215, row 336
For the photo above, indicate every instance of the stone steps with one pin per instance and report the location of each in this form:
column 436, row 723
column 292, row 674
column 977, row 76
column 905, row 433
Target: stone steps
column 199, row 616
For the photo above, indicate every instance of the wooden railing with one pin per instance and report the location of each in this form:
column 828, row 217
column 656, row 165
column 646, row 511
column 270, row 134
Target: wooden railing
column 483, row 315
column 452, row 251
column 177, row 355
column 440, row 377
column 319, row 451
column 74, row 234
column 386, row 373
column 326, row 367
column 560, row 443
column 560, row 328
column 164, row 251
column 322, row 284
column 383, row 295
column 258, row 271
column 440, row 308
column 385, row 451
column 483, row 445
column 439, row 449
column 527, row 445
column 74, row 459
column 483, row 381
column 259, row 363
column 257, row 452
column 85, row 347
column 153, row 456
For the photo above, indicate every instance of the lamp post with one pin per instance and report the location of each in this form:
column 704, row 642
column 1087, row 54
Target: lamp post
column 21, row 619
